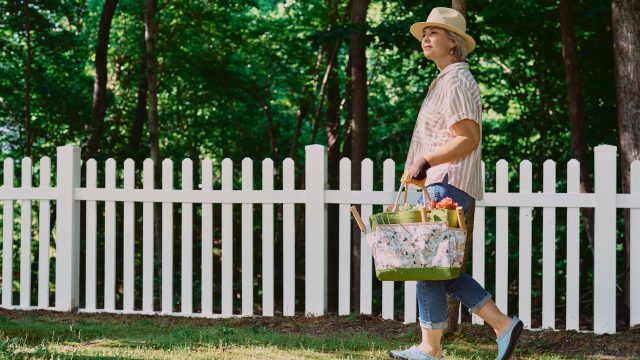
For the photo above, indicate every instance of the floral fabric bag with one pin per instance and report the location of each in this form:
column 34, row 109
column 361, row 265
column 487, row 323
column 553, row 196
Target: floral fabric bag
column 410, row 247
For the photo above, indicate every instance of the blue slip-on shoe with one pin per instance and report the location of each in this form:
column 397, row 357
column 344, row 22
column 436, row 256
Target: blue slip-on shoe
column 507, row 342
column 412, row 353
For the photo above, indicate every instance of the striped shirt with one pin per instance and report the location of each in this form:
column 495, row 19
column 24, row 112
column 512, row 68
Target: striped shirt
column 453, row 96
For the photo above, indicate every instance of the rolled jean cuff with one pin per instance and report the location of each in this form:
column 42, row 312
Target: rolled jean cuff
column 474, row 309
column 432, row 325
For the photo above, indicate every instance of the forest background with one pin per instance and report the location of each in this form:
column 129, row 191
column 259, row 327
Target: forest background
column 233, row 79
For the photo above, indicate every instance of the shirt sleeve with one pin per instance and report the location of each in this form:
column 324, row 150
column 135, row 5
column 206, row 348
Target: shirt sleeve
column 463, row 102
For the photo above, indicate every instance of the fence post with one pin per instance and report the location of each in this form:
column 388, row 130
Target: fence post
column 634, row 231
column 67, row 228
column 604, row 302
column 315, row 230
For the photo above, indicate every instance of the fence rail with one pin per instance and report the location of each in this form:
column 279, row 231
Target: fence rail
column 68, row 195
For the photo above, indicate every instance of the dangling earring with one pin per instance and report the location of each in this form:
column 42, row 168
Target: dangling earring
column 451, row 51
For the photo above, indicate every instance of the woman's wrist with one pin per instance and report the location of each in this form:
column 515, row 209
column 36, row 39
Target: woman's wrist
column 429, row 159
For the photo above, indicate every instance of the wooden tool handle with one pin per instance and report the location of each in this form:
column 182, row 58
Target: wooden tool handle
column 423, row 214
column 461, row 222
column 356, row 215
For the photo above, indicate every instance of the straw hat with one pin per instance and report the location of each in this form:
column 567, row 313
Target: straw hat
column 445, row 18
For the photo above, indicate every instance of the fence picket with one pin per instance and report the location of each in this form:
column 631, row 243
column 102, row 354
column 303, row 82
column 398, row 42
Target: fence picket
column 388, row 184
column 67, row 272
column 344, row 251
column 410, row 302
column 167, row 240
column 502, row 239
column 91, row 228
column 227, row 241
column 604, row 267
column 110, row 239
column 25, row 236
column 525, row 253
column 129, row 239
column 7, row 237
column 44, row 236
column 207, row 241
column 148, row 216
column 267, row 241
column 288, row 243
column 247, row 240
column 549, row 250
column 573, row 250
column 315, row 230
column 186, row 300
column 634, row 239
column 478, row 245
column 366, row 267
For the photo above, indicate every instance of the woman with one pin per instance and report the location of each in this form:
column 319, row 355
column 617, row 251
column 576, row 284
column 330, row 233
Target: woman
column 445, row 155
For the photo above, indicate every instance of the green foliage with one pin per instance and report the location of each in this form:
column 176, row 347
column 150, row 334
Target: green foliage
column 219, row 59
column 216, row 58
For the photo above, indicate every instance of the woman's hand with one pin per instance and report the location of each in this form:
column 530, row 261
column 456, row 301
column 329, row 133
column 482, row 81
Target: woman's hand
column 416, row 173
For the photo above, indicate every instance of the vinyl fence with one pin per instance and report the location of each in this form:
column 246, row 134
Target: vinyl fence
column 62, row 243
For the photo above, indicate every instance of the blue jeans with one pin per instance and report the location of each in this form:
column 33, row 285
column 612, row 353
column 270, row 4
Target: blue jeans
column 432, row 301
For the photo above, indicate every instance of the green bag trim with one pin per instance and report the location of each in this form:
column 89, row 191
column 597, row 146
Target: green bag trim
column 408, row 274
column 413, row 216
column 395, row 217
column 451, row 216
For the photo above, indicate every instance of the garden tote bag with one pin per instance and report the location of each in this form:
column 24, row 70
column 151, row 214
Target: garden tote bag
column 406, row 246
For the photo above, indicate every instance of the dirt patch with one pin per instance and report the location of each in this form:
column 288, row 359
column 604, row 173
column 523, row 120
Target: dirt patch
column 571, row 344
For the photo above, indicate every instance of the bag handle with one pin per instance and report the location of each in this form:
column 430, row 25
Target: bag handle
column 403, row 185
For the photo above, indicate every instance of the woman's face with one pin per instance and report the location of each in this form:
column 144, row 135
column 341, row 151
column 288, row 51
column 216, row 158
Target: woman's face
column 435, row 43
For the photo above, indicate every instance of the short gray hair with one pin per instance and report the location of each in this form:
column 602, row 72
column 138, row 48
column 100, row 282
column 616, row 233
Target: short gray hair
column 460, row 50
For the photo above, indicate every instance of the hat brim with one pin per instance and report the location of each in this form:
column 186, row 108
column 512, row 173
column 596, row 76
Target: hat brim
column 417, row 28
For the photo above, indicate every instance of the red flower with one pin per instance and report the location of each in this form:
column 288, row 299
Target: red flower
column 447, row 203
column 432, row 204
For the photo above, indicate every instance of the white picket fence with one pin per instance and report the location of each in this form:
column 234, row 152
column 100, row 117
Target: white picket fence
column 68, row 194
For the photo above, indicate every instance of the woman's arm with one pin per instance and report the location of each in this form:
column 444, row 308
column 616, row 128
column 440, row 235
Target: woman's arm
column 467, row 139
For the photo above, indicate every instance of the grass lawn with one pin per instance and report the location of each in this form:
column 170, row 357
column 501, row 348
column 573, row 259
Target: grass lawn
column 47, row 335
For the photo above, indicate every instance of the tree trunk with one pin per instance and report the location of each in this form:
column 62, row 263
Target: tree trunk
column 345, row 104
column 271, row 129
column 27, row 84
column 348, row 113
column 99, row 107
column 625, row 16
column 303, row 109
column 576, row 106
column 331, row 58
column 333, row 142
column 152, row 78
column 452, row 304
column 461, row 6
column 334, row 155
column 359, row 124
column 135, row 140
column 152, row 84
column 346, row 152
